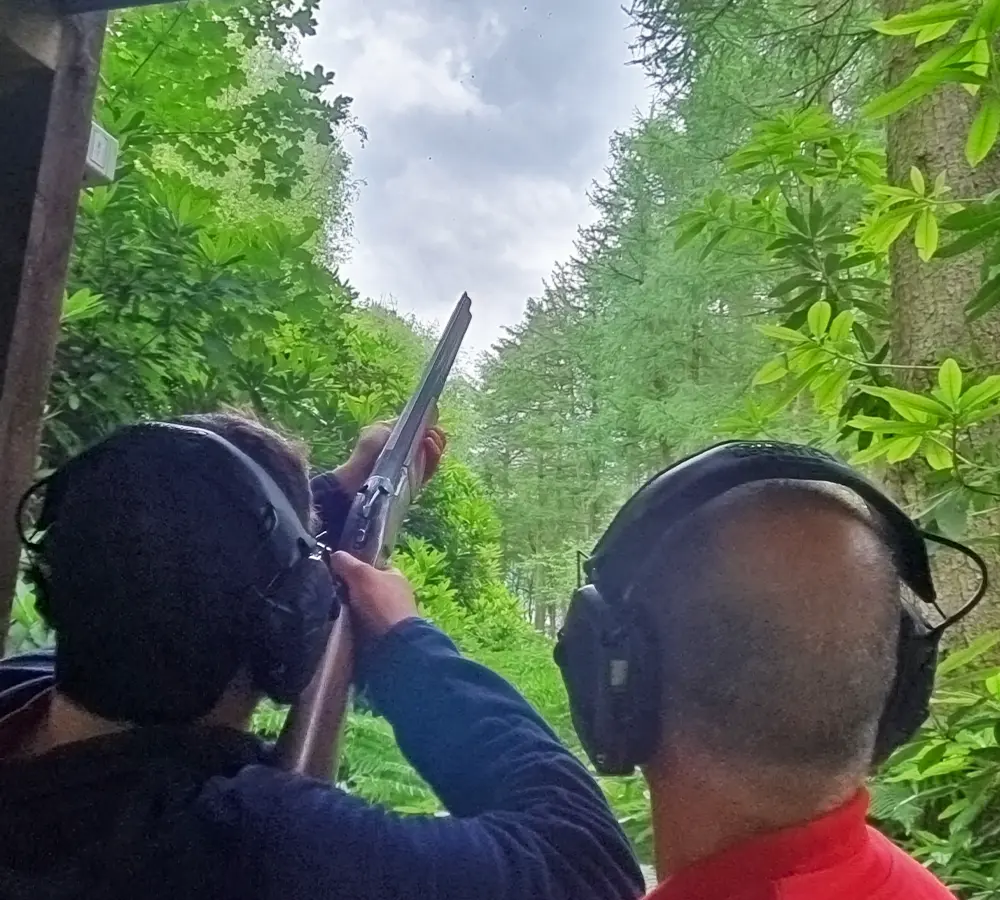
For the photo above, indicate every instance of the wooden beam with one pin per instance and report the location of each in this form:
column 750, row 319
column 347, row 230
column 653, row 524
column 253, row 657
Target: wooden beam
column 45, row 116
column 80, row 6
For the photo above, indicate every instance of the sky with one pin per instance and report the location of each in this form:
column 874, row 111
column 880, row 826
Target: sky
column 487, row 121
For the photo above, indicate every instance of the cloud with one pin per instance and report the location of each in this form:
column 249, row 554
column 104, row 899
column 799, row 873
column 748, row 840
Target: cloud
column 487, row 123
column 398, row 61
column 496, row 238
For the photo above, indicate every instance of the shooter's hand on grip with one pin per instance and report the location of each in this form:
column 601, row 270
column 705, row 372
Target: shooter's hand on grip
column 378, row 599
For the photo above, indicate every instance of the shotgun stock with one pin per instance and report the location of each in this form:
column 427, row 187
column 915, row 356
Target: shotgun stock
column 309, row 742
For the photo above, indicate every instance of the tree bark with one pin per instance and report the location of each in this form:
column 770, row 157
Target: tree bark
column 927, row 316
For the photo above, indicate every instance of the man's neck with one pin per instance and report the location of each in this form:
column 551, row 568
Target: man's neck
column 697, row 814
column 66, row 723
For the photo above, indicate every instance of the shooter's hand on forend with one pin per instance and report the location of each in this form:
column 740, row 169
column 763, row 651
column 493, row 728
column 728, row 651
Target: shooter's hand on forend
column 378, row 599
column 372, row 439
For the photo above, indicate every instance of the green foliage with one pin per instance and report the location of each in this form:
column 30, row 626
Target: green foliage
column 940, row 794
column 969, row 61
column 27, row 630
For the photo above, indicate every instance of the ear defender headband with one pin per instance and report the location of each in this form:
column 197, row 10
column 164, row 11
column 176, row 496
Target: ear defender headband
column 292, row 613
column 607, row 647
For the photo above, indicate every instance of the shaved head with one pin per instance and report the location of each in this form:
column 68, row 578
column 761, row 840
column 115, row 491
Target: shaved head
column 777, row 611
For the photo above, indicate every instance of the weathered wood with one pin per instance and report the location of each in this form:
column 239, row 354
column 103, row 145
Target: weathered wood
column 81, row 6
column 45, row 120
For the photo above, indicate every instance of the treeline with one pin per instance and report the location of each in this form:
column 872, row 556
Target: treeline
column 798, row 242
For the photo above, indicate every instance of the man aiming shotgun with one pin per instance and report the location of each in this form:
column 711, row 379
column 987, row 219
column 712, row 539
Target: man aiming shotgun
column 177, row 565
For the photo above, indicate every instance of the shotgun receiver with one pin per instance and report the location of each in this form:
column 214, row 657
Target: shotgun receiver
column 309, row 740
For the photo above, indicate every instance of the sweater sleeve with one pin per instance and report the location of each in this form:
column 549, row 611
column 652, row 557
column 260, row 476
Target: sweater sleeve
column 526, row 820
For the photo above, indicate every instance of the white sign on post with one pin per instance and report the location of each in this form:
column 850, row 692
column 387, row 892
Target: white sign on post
column 102, row 157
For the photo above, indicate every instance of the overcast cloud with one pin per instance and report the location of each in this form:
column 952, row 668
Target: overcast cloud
column 487, row 122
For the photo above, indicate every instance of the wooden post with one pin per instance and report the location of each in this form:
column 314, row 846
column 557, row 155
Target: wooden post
column 48, row 77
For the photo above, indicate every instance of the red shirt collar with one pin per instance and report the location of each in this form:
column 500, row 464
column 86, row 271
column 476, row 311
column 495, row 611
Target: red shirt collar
column 819, row 844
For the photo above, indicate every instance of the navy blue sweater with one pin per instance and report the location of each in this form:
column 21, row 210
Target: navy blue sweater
column 202, row 813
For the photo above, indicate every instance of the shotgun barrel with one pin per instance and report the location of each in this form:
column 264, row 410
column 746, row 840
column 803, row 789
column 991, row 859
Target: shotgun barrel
column 309, row 742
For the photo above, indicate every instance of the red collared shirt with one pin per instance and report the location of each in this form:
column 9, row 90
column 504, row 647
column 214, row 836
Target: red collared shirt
column 836, row 857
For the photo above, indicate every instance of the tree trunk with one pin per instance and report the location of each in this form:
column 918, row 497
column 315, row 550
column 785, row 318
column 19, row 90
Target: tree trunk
column 927, row 317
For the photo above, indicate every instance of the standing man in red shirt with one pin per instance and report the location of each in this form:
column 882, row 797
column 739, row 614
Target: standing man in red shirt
column 742, row 638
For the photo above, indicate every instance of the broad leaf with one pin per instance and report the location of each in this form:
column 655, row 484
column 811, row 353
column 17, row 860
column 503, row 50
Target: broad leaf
column 959, row 658
column 980, row 395
column 902, row 448
column 984, row 130
column 771, row 371
column 901, row 96
column 950, row 382
column 930, row 14
column 986, row 298
column 780, row 333
column 819, row 318
column 906, row 402
column 925, row 235
column 937, row 455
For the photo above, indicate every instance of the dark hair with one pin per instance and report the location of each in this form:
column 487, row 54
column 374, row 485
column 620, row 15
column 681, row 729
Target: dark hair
column 146, row 576
column 790, row 675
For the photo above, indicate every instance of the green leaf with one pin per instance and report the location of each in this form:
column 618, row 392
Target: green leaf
column 858, row 259
column 986, row 298
column 713, row 242
column 789, row 284
column 959, row 658
column 975, row 215
column 989, row 16
column 932, row 757
column 967, row 241
column 815, row 217
column 690, row 233
column 888, row 228
column 864, row 337
column 917, row 180
column 797, row 220
column 819, row 318
column 773, row 370
column 906, row 403
column 932, row 32
column 897, row 427
column 913, row 88
column 925, row 235
column 780, row 333
column 872, row 452
column 930, row 14
column 950, row 382
column 980, row 415
column 902, row 448
column 984, row 130
column 980, row 395
column 937, row 455
column 829, row 389
column 840, row 329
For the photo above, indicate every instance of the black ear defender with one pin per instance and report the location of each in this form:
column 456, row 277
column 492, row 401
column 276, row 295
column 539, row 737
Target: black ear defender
column 290, row 614
column 607, row 651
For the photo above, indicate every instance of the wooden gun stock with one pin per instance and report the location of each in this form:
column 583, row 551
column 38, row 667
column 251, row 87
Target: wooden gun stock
column 310, row 741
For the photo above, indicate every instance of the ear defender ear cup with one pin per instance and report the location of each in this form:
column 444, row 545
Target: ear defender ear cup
column 909, row 700
column 609, row 667
column 297, row 614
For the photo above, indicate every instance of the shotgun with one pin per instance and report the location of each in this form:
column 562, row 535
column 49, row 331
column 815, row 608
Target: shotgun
column 309, row 741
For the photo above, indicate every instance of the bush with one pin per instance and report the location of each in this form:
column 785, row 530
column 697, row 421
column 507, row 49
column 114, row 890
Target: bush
column 939, row 795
